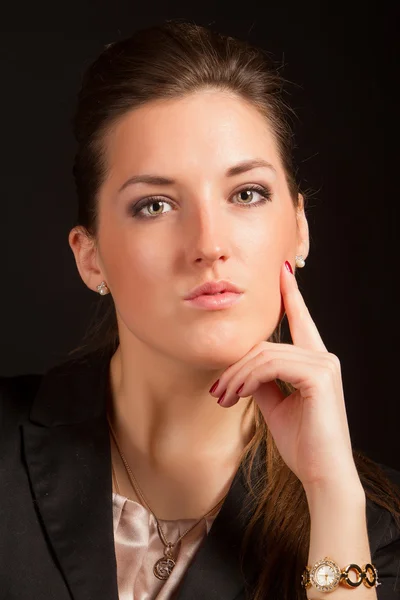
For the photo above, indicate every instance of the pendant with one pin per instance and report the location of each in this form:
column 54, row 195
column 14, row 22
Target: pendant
column 163, row 567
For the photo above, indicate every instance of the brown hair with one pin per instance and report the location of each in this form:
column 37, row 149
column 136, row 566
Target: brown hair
column 170, row 61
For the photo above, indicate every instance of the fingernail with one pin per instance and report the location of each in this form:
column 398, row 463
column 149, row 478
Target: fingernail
column 214, row 387
column 240, row 389
column 221, row 397
column 288, row 266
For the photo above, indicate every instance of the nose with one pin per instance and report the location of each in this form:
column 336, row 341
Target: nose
column 208, row 239
column 210, row 256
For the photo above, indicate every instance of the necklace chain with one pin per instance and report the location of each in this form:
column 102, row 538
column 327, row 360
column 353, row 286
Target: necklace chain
column 136, row 488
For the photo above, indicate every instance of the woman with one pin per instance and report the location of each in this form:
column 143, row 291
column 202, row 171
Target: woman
column 122, row 473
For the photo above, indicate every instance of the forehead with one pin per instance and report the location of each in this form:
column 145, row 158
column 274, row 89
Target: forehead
column 208, row 131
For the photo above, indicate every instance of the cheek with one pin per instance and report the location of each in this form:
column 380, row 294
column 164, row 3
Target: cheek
column 266, row 252
column 135, row 268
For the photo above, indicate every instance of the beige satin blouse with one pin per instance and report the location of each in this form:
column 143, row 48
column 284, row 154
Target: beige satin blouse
column 138, row 547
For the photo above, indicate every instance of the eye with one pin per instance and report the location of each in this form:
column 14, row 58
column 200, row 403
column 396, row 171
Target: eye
column 153, row 206
column 246, row 195
column 264, row 192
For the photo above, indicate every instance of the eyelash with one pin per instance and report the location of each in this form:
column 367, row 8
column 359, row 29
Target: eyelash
column 263, row 191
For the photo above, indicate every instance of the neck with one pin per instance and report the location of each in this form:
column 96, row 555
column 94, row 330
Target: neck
column 162, row 411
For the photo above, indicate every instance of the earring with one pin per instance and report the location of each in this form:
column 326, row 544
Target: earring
column 300, row 262
column 103, row 289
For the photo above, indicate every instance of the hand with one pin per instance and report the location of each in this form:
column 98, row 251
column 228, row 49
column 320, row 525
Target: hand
column 309, row 426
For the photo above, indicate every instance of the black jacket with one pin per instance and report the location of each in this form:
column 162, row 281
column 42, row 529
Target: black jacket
column 56, row 524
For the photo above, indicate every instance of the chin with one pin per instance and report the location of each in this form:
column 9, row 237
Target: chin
column 217, row 346
column 217, row 356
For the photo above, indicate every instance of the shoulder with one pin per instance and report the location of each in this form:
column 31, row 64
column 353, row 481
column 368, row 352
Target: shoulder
column 16, row 397
column 384, row 537
column 381, row 523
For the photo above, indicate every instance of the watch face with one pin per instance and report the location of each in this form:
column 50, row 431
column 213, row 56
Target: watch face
column 325, row 575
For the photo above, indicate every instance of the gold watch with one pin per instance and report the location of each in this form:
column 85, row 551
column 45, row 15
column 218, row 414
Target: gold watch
column 326, row 575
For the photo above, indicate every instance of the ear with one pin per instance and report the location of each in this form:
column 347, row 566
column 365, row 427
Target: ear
column 83, row 245
column 303, row 240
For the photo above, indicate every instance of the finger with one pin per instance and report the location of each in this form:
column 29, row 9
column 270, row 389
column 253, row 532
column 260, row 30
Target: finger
column 303, row 330
column 259, row 350
column 293, row 365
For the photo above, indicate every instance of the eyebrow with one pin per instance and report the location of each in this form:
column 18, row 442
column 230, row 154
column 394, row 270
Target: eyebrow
column 242, row 167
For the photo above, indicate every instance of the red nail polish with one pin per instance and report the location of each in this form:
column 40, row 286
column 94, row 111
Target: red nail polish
column 240, row 389
column 214, row 386
column 288, row 266
column 221, row 397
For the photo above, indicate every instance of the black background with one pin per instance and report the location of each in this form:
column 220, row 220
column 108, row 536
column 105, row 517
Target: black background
column 343, row 60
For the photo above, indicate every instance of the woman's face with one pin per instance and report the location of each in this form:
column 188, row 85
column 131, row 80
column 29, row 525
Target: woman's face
column 200, row 228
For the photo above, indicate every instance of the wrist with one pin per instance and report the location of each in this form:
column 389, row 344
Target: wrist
column 345, row 493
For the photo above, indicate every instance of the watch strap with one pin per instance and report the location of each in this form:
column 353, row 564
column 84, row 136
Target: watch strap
column 367, row 575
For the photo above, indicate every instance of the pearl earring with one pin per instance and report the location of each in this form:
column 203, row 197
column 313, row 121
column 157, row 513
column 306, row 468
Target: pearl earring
column 300, row 262
column 103, row 289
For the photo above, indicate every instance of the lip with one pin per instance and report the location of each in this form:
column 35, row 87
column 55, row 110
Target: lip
column 210, row 288
column 215, row 301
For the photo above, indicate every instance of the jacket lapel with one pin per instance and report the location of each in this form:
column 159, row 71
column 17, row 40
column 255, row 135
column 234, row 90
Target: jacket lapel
column 68, row 456
column 67, row 452
column 215, row 572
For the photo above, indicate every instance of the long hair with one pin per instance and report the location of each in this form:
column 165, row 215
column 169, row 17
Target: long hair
column 170, row 61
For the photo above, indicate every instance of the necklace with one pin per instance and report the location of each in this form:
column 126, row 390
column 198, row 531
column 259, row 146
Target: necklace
column 163, row 567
